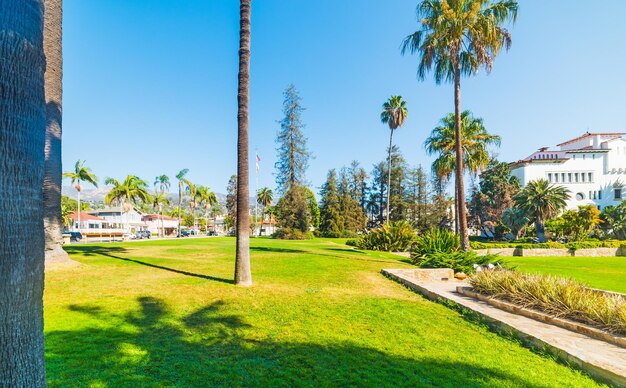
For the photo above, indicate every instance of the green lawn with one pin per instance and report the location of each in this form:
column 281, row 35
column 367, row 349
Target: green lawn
column 164, row 313
column 608, row 273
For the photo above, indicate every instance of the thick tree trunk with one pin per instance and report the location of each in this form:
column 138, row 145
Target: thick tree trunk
column 389, row 174
column 53, row 50
column 541, row 231
column 22, row 241
column 458, row 172
column 180, row 201
column 243, row 275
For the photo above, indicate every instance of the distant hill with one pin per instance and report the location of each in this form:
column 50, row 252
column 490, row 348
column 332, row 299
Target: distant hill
column 97, row 194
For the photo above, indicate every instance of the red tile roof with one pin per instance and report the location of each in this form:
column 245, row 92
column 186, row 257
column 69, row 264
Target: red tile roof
column 587, row 134
column 85, row 217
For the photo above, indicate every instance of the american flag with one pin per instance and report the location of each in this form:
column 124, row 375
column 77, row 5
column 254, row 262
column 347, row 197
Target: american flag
column 258, row 167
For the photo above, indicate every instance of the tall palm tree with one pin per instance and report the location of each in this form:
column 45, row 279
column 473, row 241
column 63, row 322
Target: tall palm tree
column 475, row 138
column 457, row 37
column 22, row 137
column 81, row 174
column 192, row 191
column 160, row 199
column 52, row 45
column 394, row 113
column 161, row 186
column 127, row 193
column 541, row 201
column 206, row 199
column 182, row 184
column 243, row 275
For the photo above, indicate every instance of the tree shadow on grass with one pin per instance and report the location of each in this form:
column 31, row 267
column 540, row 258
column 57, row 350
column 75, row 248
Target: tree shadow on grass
column 108, row 251
column 210, row 346
column 277, row 250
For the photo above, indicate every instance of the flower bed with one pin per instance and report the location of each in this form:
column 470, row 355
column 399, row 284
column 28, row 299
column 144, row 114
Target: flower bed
column 558, row 297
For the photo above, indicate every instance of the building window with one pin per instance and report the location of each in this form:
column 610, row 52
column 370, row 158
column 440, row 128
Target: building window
column 569, row 177
column 590, row 175
column 580, row 196
column 556, row 178
column 549, row 177
column 618, row 193
column 600, row 194
column 582, row 177
column 576, row 177
column 583, row 156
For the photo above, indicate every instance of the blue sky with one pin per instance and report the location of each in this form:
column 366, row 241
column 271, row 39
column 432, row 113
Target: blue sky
column 151, row 86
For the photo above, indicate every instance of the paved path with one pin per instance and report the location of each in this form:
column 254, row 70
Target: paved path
column 600, row 359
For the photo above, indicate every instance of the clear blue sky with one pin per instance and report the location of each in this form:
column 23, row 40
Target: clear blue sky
column 151, row 86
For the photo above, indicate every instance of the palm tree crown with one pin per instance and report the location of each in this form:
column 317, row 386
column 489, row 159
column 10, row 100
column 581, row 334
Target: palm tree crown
column 81, row 174
column 476, row 139
column 265, row 196
column 132, row 190
column 463, row 33
column 162, row 182
column 540, row 201
column 394, row 112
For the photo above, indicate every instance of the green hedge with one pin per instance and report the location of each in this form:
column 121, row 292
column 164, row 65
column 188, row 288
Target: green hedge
column 550, row 245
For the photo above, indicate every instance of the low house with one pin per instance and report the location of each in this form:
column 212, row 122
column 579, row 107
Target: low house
column 268, row 227
column 87, row 222
column 156, row 223
column 129, row 221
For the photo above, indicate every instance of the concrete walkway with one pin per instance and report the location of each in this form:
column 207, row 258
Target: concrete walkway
column 600, row 359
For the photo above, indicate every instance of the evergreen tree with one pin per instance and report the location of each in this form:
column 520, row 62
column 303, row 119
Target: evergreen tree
column 358, row 183
column 378, row 192
column 231, row 202
column 293, row 154
column 331, row 223
column 397, row 207
column 294, row 214
column 417, row 199
column 354, row 218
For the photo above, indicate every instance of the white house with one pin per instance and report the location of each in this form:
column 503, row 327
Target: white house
column 591, row 166
column 115, row 217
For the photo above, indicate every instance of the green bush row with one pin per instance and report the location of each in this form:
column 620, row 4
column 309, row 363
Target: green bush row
column 550, row 245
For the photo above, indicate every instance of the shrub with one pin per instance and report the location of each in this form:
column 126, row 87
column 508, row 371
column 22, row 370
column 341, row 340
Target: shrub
column 459, row 261
column 292, row 234
column 351, row 242
column 550, row 244
column 395, row 237
column 436, row 241
column 555, row 296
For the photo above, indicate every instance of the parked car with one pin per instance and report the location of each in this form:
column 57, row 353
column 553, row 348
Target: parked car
column 212, row 233
column 75, row 236
column 144, row 234
column 184, row 233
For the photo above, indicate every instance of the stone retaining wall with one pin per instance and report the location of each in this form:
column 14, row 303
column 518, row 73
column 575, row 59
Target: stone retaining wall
column 596, row 252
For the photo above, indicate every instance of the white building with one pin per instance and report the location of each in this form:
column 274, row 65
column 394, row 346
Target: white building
column 592, row 167
column 156, row 223
column 115, row 217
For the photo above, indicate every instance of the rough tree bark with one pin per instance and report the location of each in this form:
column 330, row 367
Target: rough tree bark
column 243, row 275
column 458, row 172
column 389, row 174
column 22, row 135
column 53, row 50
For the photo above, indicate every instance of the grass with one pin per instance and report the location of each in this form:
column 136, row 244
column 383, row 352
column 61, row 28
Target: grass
column 607, row 273
column 163, row 313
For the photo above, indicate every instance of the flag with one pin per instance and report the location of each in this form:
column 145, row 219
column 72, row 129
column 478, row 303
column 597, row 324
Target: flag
column 258, row 167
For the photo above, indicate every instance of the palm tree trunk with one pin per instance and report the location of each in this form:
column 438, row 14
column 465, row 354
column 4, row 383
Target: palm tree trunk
column 180, row 200
column 53, row 223
column 389, row 175
column 243, row 275
column 22, row 245
column 541, row 231
column 78, row 210
column 458, row 172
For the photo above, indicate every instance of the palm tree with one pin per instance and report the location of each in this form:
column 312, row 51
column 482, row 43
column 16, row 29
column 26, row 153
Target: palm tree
column 394, row 113
column 243, row 275
column 127, row 193
column 207, row 199
column 264, row 197
column 192, row 191
column 182, row 184
column 53, row 27
column 442, row 142
column 457, row 37
column 161, row 186
column 515, row 219
column 22, row 137
column 81, row 174
column 541, row 201
column 158, row 200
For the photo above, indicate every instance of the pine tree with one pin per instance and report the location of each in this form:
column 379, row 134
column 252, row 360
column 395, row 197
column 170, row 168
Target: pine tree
column 331, row 223
column 353, row 215
column 397, row 208
column 231, row 201
column 293, row 154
